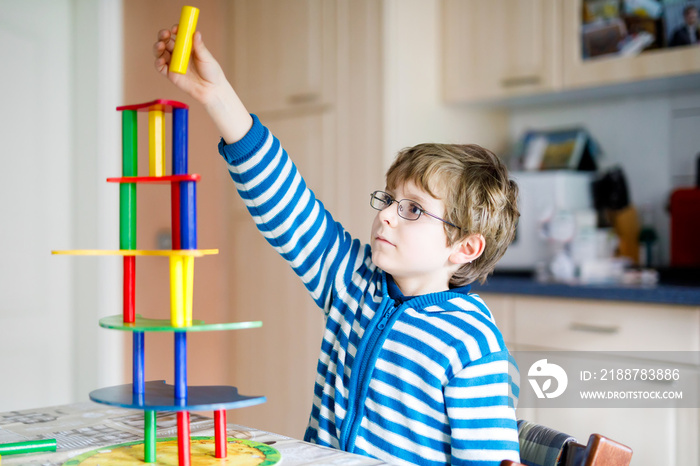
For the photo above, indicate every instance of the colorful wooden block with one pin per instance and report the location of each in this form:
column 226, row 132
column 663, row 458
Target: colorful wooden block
column 180, row 140
column 138, row 252
column 149, row 436
column 180, row 339
column 129, row 143
column 177, row 292
column 188, row 286
column 156, row 143
column 129, row 288
column 183, row 42
column 220, row 436
column 183, row 438
column 188, row 215
column 138, row 354
column 175, row 227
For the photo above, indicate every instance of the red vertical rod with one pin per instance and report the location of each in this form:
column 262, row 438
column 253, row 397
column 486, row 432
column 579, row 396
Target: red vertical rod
column 175, row 234
column 129, row 289
column 183, row 438
column 220, row 448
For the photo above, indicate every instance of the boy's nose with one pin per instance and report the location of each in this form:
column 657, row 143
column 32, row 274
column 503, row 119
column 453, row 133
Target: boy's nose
column 390, row 215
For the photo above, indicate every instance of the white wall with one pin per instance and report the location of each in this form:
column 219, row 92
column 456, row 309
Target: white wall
column 645, row 135
column 414, row 108
column 60, row 140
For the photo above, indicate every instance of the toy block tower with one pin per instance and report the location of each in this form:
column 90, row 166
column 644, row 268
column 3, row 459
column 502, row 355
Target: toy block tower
column 157, row 396
column 154, row 396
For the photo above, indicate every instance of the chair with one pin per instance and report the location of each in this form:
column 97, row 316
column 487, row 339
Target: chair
column 542, row 446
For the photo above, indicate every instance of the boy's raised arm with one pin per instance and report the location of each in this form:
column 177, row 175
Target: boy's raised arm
column 206, row 82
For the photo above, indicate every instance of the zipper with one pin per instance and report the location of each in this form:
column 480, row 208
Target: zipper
column 352, row 419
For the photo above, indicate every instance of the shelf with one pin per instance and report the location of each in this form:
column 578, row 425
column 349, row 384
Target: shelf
column 137, row 252
column 165, row 179
column 159, row 396
column 142, row 324
column 164, row 105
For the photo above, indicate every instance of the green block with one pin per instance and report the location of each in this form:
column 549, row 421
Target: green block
column 127, row 216
column 130, row 139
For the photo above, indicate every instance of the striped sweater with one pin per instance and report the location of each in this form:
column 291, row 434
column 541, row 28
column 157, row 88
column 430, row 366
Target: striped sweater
column 410, row 380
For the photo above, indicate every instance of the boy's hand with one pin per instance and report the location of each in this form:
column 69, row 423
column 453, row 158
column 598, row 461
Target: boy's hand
column 205, row 82
column 204, row 73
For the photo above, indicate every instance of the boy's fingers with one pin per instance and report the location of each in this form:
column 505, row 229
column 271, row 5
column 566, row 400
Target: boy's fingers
column 199, row 48
column 158, row 49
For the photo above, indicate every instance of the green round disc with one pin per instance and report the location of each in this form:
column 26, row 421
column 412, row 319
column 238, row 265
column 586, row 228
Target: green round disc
column 142, row 324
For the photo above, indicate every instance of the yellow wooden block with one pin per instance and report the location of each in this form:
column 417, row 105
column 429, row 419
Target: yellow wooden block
column 183, row 42
column 177, row 292
column 156, row 143
column 188, row 285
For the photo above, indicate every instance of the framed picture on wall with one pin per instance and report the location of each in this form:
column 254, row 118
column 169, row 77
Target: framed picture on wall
column 562, row 149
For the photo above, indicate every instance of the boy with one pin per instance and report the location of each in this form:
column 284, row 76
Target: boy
column 412, row 368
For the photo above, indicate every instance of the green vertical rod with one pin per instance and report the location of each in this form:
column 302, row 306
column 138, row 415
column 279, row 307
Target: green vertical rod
column 149, row 437
column 127, row 191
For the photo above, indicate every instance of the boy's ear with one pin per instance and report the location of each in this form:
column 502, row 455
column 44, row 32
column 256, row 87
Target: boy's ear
column 469, row 249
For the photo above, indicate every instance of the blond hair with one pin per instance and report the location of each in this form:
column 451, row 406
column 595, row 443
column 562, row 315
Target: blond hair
column 479, row 197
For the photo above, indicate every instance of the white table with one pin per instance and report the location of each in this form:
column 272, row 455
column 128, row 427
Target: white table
column 82, row 427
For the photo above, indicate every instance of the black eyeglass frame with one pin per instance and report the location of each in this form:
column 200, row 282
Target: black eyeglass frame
column 391, row 200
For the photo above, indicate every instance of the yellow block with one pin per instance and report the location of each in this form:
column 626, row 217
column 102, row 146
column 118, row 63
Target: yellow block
column 156, row 143
column 137, row 252
column 177, row 292
column 181, row 290
column 183, row 42
column 189, row 287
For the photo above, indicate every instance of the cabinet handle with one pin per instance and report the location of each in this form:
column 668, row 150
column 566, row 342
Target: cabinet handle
column 520, row 81
column 592, row 328
column 303, row 98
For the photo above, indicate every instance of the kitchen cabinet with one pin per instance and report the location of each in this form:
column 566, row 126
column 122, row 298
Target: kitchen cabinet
column 282, row 54
column 594, row 329
column 314, row 87
column 611, row 69
column 496, row 50
column 500, row 48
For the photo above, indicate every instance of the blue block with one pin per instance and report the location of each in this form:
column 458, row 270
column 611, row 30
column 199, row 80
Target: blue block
column 180, row 141
column 138, row 363
column 180, row 365
column 188, row 215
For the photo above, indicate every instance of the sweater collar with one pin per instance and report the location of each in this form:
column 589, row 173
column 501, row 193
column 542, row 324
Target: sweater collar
column 395, row 293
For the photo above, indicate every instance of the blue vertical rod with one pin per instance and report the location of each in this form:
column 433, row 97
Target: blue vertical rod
column 180, row 365
column 188, row 215
column 139, row 383
column 180, row 140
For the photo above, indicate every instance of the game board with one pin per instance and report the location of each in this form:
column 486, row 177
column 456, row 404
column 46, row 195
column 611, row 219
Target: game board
column 240, row 453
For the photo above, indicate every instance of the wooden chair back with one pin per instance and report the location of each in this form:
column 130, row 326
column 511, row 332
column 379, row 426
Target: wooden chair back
column 599, row 451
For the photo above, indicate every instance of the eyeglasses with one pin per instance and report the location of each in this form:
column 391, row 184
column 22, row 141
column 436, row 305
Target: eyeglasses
column 409, row 210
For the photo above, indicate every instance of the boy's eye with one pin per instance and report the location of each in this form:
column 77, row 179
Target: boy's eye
column 414, row 209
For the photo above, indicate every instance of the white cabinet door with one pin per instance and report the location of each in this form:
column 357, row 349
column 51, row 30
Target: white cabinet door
column 595, row 329
column 282, row 53
column 500, row 48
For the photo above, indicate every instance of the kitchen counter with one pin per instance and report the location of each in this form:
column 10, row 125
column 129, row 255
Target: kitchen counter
column 668, row 291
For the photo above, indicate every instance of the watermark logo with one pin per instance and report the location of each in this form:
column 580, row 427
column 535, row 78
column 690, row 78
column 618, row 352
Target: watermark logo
column 547, row 371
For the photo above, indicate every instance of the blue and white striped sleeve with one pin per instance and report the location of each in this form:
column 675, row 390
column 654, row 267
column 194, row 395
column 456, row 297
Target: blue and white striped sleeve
column 286, row 211
column 481, row 412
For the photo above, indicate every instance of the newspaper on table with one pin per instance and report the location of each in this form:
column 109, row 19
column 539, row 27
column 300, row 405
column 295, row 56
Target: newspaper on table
column 82, row 427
